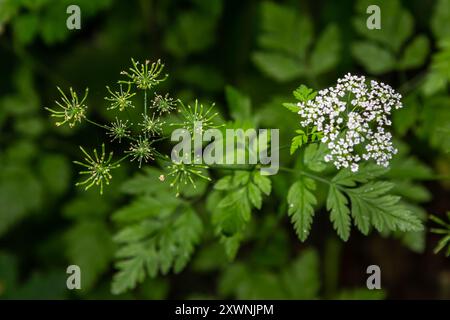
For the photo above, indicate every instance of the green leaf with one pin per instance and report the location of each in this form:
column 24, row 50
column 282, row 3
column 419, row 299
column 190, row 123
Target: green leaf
column 223, row 183
column 444, row 230
column 231, row 209
column 254, row 194
column 155, row 245
column 339, row 212
column 397, row 24
column 284, row 30
column 304, row 94
column 298, row 280
column 228, row 221
column 238, row 103
column 405, row 118
column 146, row 183
column 414, row 240
column 243, row 283
column 301, row 202
column 326, row 52
column 263, row 182
column 301, row 279
column 314, row 156
column 440, row 20
column 89, row 245
column 385, row 211
column 25, row 27
column 283, row 41
column 232, row 244
column 145, row 207
column 296, row 143
column 366, row 172
column 374, row 58
column 278, row 66
column 192, row 32
column 439, row 74
column 408, row 168
column 415, row 53
column 291, row 107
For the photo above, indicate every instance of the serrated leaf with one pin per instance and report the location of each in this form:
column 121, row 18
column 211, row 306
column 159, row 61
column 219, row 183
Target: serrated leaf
column 304, row 94
column 291, row 107
column 301, row 202
column 254, row 194
column 366, row 172
column 386, row 213
column 339, row 212
column 145, row 207
column 314, row 156
column 296, row 143
column 374, row 58
column 152, row 245
column 264, row 183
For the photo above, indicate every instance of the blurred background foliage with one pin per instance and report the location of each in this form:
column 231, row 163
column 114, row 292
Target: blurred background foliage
column 247, row 56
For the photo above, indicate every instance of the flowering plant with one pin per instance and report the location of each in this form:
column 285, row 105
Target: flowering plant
column 345, row 125
column 141, row 136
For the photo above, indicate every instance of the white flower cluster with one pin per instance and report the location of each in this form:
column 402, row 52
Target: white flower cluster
column 352, row 117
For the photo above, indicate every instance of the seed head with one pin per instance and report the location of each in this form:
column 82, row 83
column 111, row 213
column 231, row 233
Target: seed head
column 144, row 77
column 118, row 130
column 98, row 169
column 141, row 150
column 73, row 110
column 120, row 99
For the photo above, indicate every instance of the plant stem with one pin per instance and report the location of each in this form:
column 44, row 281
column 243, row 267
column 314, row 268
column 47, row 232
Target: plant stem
column 145, row 102
column 306, row 174
column 97, row 124
column 121, row 159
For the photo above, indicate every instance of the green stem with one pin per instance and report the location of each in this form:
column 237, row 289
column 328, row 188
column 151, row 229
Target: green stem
column 121, row 159
column 306, row 174
column 145, row 102
column 97, row 124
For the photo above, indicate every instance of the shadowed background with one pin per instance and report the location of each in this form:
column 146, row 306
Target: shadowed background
column 265, row 49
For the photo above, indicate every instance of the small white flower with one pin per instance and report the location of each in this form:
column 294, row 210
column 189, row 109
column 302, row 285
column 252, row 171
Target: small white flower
column 361, row 121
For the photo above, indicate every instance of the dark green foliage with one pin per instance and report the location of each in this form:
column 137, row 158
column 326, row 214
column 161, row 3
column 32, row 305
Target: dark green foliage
column 238, row 234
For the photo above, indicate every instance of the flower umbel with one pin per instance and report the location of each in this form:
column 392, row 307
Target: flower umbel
column 141, row 150
column 98, row 169
column 198, row 114
column 353, row 116
column 118, row 130
column 120, row 99
column 73, row 110
column 143, row 76
column 163, row 104
column 151, row 125
column 183, row 174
